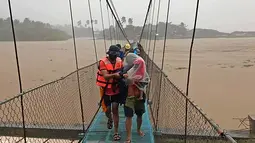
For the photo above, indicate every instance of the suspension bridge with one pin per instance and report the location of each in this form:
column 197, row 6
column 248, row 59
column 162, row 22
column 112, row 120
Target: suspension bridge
column 61, row 110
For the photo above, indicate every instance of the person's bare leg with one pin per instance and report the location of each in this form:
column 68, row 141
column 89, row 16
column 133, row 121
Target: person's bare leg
column 115, row 111
column 128, row 127
column 139, row 121
column 108, row 113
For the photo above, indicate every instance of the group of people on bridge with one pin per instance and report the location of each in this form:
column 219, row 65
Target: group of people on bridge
column 122, row 79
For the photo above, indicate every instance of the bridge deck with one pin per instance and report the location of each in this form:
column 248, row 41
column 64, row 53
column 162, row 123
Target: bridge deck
column 99, row 133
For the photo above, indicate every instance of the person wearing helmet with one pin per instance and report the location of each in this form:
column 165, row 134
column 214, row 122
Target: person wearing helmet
column 127, row 48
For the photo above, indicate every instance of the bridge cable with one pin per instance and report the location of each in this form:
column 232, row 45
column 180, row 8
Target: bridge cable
column 149, row 39
column 114, row 32
column 109, row 22
column 146, row 43
column 118, row 19
column 18, row 70
column 156, row 31
column 146, row 17
column 153, row 12
column 163, row 59
column 76, row 65
column 102, row 19
column 121, row 28
column 189, row 69
column 92, row 29
column 155, row 37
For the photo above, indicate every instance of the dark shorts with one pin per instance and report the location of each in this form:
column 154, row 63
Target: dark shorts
column 133, row 105
column 108, row 100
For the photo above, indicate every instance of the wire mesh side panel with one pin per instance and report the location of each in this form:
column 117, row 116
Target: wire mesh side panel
column 53, row 106
column 90, row 92
column 168, row 111
column 10, row 117
column 52, row 112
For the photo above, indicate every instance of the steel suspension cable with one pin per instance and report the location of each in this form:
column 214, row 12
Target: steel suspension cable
column 147, row 34
column 118, row 19
column 189, row 68
column 163, row 60
column 153, row 12
column 92, row 29
column 149, row 41
column 145, row 20
column 102, row 19
column 155, row 37
column 114, row 32
column 122, row 30
column 76, row 65
column 156, row 31
column 18, row 70
column 109, row 22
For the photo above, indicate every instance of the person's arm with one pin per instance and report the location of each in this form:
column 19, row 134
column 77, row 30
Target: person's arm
column 105, row 74
column 109, row 76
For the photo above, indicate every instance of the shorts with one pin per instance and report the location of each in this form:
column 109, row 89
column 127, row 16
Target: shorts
column 108, row 100
column 133, row 105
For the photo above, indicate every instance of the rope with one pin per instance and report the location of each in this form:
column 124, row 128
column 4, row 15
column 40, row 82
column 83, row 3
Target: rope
column 76, row 64
column 18, row 70
column 147, row 13
column 92, row 28
column 123, row 31
column 163, row 60
column 102, row 19
column 189, row 69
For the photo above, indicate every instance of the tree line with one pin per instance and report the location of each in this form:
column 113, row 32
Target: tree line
column 29, row 30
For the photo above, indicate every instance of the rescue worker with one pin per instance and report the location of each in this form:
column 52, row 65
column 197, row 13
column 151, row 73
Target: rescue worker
column 127, row 49
column 107, row 79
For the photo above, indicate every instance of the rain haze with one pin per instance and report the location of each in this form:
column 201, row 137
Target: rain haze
column 223, row 64
column 225, row 16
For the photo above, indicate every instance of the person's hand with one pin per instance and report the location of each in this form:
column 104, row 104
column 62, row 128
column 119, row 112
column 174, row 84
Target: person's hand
column 116, row 75
column 125, row 75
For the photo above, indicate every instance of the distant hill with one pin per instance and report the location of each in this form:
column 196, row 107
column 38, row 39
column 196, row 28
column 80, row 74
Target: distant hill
column 242, row 34
column 207, row 33
column 28, row 30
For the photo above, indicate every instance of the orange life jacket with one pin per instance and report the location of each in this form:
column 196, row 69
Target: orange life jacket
column 110, row 69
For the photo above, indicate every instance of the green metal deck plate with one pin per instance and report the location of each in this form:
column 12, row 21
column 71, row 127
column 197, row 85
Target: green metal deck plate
column 98, row 132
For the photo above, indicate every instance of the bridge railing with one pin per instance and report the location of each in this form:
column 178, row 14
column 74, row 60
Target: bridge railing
column 168, row 107
column 51, row 111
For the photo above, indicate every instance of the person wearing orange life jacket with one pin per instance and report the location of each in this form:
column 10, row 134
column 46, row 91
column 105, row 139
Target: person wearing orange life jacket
column 107, row 79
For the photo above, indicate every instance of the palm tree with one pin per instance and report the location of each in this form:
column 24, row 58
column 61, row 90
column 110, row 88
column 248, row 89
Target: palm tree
column 95, row 22
column 130, row 21
column 123, row 20
column 183, row 25
column 79, row 23
column 87, row 22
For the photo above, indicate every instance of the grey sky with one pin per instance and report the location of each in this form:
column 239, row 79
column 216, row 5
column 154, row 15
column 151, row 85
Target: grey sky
column 223, row 15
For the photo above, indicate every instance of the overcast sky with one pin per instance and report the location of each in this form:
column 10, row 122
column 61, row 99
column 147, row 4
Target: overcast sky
column 222, row 15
